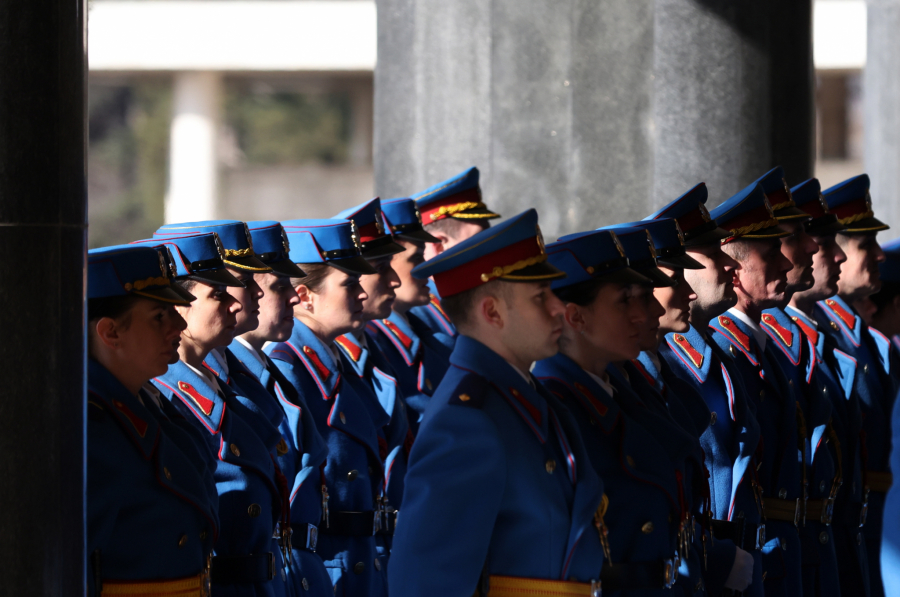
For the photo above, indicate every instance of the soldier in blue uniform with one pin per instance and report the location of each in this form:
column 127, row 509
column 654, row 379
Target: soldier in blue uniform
column 301, row 450
column 886, row 315
column 495, row 446
column 731, row 440
column 452, row 211
column 760, row 281
column 252, row 492
column 834, row 377
column 141, row 480
column 604, row 312
column 822, row 470
column 352, row 478
column 851, row 203
column 419, row 355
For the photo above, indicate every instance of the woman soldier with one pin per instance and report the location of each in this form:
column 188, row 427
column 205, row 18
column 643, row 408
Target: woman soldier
column 604, row 314
column 247, row 561
column 151, row 516
column 352, row 479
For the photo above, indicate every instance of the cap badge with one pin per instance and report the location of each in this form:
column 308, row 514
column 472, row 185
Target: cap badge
column 704, row 213
column 219, row 248
column 354, row 234
column 285, row 242
column 823, row 203
column 680, row 233
column 418, row 215
column 249, row 238
column 540, row 239
column 619, row 246
column 162, row 263
column 769, row 207
column 650, row 244
column 379, row 225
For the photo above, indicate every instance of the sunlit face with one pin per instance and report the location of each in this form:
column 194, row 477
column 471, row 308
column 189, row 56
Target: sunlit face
column 532, row 317
column 461, row 230
column 212, row 318
column 676, row 302
column 276, row 307
column 249, row 297
column 714, row 283
column 826, row 268
column 613, row 322
column 762, row 275
column 412, row 292
column 380, row 288
column 149, row 342
column 337, row 306
column 859, row 274
column 799, row 248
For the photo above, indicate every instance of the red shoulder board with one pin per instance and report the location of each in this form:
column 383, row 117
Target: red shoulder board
column 404, row 339
column 437, row 305
column 532, row 409
column 349, row 347
column 808, row 330
column 785, row 334
column 140, row 425
column 847, row 317
column 691, row 352
column 205, row 404
column 210, row 369
column 324, row 372
column 643, row 371
column 601, row 408
column 742, row 338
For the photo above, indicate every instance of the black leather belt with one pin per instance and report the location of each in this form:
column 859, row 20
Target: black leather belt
column 230, row 570
column 309, row 542
column 638, row 576
column 747, row 536
column 360, row 524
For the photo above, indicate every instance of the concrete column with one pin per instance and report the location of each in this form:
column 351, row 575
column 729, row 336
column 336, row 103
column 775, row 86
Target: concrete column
column 43, row 240
column 881, row 91
column 361, row 123
column 593, row 112
column 193, row 161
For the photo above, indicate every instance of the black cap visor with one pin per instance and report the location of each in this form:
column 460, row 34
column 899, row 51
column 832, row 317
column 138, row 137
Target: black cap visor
column 172, row 295
column 534, row 273
column 870, row 224
column 624, row 275
column 791, row 213
column 355, row 266
column 682, row 261
column 220, row 277
column 381, row 247
column 656, row 277
column 286, row 267
column 827, row 225
column 710, row 237
column 249, row 263
column 417, row 236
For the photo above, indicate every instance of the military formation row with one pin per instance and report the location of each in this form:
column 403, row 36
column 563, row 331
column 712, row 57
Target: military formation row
column 689, row 404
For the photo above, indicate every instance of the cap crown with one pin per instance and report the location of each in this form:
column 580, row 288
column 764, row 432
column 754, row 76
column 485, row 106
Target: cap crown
column 401, row 215
column 270, row 242
column 586, row 255
column 191, row 253
column 122, row 269
column 322, row 240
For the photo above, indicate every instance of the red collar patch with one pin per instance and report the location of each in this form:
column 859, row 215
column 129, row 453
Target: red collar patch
column 643, row 371
column 808, row 330
column 532, row 409
column 732, row 328
column 785, row 334
column 601, row 408
column 140, row 425
column 847, row 317
column 437, row 305
column 352, row 350
column 691, row 352
column 324, row 372
column 404, row 339
column 205, row 404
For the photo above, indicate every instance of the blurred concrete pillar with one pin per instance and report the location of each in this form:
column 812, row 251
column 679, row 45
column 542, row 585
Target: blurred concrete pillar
column 593, row 112
column 43, row 201
column 193, row 160
column 361, row 123
column 881, row 101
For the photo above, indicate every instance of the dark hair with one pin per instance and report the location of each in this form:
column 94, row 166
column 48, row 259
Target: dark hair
column 451, row 226
column 582, row 293
column 187, row 283
column 884, row 296
column 113, row 307
column 315, row 276
column 458, row 307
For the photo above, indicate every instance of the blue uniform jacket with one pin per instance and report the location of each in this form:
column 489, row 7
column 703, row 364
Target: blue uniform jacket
column 890, row 546
column 419, row 359
column 150, row 515
column 249, row 495
column 789, row 347
column 873, row 383
column 499, row 482
column 729, row 443
column 835, row 374
column 432, row 316
column 643, row 489
column 780, row 471
column 299, row 456
column 353, row 475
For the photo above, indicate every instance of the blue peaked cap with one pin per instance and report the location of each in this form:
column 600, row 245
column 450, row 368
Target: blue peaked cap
column 457, row 197
column 808, row 197
column 197, row 257
column 333, row 242
column 668, row 240
column 851, row 203
column 641, row 253
column 271, row 245
column 375, row 239
column 405, row 221
column 235, row 237
column 890, row 267
column 779, row 195
column 748, row 215
column 124, row 270
column 690, row 212
column 586, row 256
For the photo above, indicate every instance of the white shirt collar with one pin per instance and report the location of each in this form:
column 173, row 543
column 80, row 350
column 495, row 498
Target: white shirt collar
column 253, row 351
column 806, row 318
column 525, row 376
column 654, row 358
column 219, row 355
column 759, row 335
column 604, row 382
column 212, row 382
column 152, row 393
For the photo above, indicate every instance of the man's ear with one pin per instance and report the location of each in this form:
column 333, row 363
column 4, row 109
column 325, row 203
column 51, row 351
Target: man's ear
column 492, row 310
column 107, row 332
column 574, row 317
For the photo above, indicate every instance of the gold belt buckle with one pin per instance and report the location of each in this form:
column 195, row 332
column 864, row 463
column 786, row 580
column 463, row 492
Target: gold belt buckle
column 671, row 573
column 596, row 588
column 761, row 535
column 205, row 578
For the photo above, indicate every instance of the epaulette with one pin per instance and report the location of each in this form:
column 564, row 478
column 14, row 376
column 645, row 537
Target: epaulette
column 735, row 336
column 470, row 391
column 601, row 408
column 847, row 317
column 404, row 344
column 353, row 351
column 695, row 356
column 783, row 337
column 810, row 332
column 403, row 338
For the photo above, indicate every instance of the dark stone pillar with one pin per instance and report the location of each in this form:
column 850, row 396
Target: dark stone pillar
column 593, row 112
column 42, row 261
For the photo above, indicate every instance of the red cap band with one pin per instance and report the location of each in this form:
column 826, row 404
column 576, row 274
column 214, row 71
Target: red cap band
column 488, row 267
column 445, row 207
